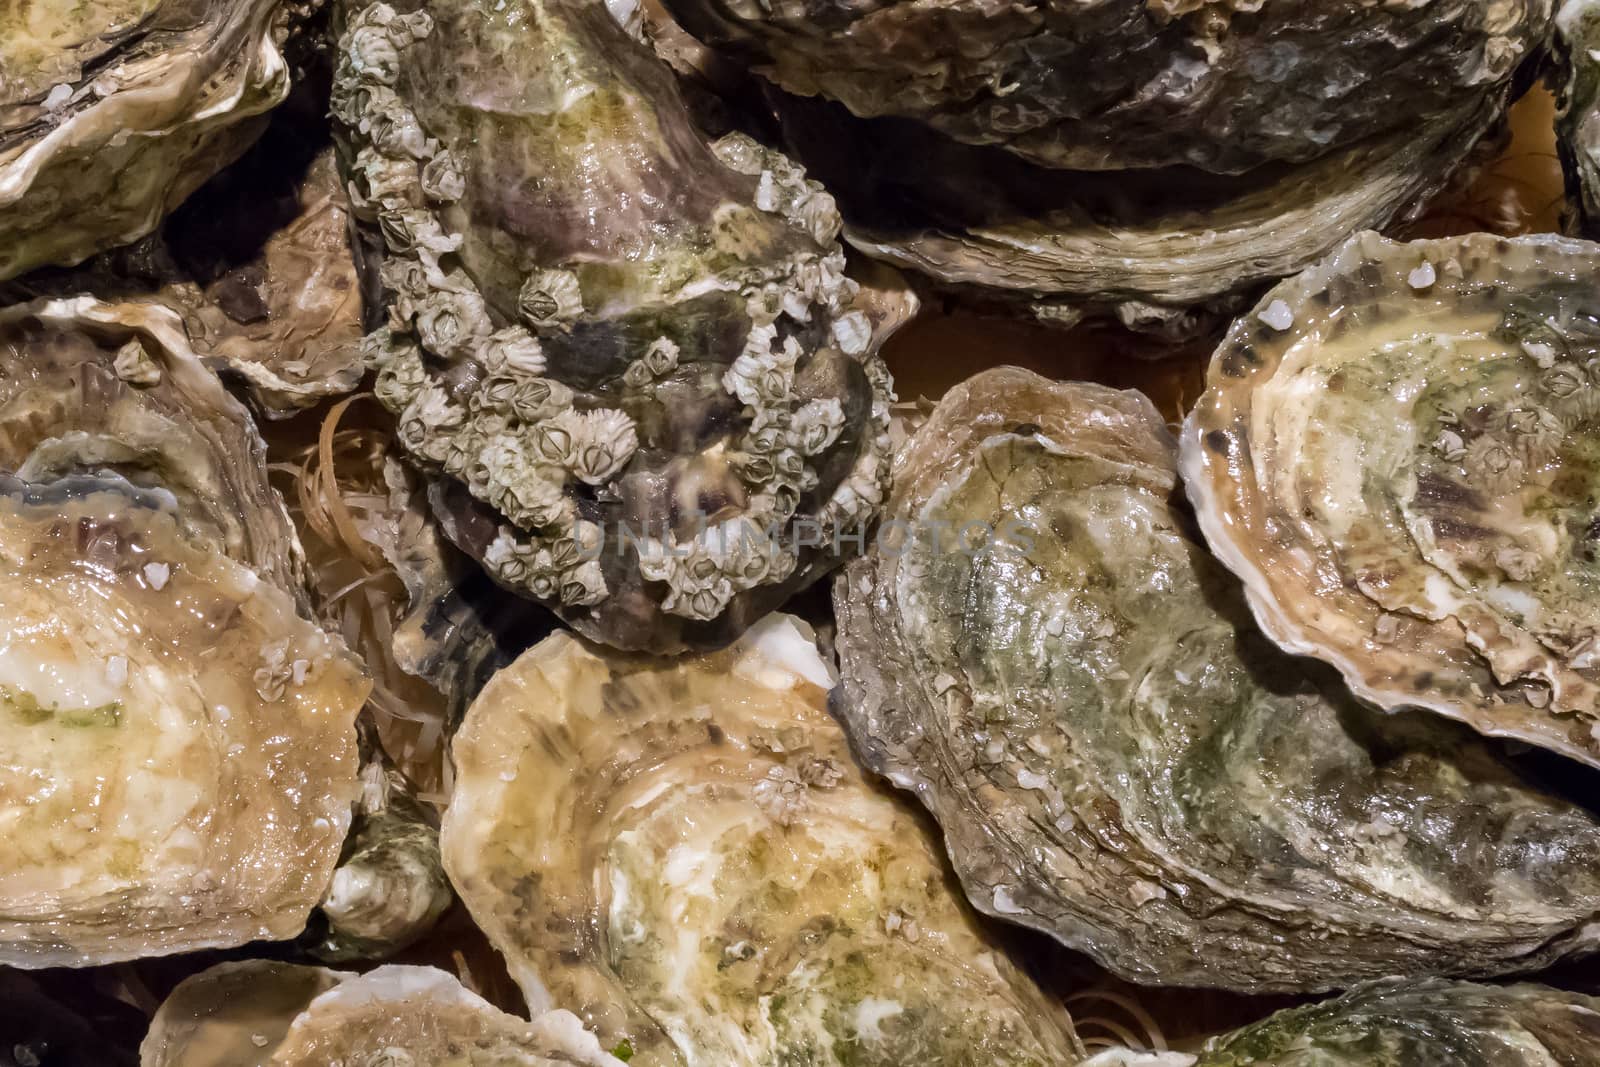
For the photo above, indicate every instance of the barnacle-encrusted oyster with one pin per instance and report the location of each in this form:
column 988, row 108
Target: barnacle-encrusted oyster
column 263, row 1014
column 88, row 387
column 1578, row 120
column 1427, row 1023
column 1041, row 650
column 1117, row 84
column 1399, row 453
column 684, row 854
column 651, row 393
column 113, row 111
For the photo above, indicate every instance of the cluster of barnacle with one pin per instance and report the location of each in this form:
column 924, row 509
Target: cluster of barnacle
column 1245, row 708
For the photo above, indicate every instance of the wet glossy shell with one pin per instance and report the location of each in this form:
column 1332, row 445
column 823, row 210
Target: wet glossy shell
column 685, row 854
column 177, row 746
column 1429, row 1023
column 113, row 111
column 1042, row 650
column 1399, row 453
column 262, row 1014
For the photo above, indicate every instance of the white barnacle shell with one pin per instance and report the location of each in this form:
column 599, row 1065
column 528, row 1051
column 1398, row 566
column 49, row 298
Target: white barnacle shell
column 852, row 332
column 509, row 557
column 134, row 365
column 583, row 585
column 435, row 410
column 816, row 426
column 600, row 443
column 405, row 29
column 819, row 214
column 451, row 324
column 661, row 358
column 400, row 378
column 376, row 180
column 540, row 398
column 550, row 298
column 512, row 351
column 762, row 376
column 371, row 52
column 531, row 497
column 396, row 133
column 442, row 181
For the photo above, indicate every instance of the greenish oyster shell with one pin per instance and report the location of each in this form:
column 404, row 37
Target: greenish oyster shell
column 683, row 853
column 1163, row 250
column 177, row 752
column 1577, row 49
column 98, row 389
column 258, row 1013
column 650, row 393
column 1397, row 452
column 113, row 111
column 1426, row 1023
column 1042, row 650
column 390, row 887
column 1219, row 85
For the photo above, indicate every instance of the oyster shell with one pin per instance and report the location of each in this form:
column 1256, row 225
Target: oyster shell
column 178, row 760
column 261, row 1014
column 1043, row 653
column 88, row 387
column 651, row 392
column 1578, row 117
column 1396, row 453
column 1427, row 1023
column 113, row 111
column 684, row 853
column 1160, row 250
column 390, row 887
column 1222, row 87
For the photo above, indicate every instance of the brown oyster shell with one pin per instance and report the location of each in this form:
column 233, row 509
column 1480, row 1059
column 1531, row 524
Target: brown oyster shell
column 1395, row 452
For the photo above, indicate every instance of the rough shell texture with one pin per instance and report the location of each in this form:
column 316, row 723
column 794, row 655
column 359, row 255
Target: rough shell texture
column 1148, row 247
column 1041, row 650
column 1429, row 1023
column 1397, row 453
column 628, row 355
column 390, row 887
column 178, row 756
column 262, row 1014
column 88, row 387
column 1222, row 85
column 684, row 854
column 1578, row 119
column 112, row 111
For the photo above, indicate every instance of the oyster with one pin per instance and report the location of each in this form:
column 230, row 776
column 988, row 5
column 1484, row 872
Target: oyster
column 1427, row 1023
column 650, row 393
column 390, row 887
column 1041, row 650
column 1578, row 120
column 88, row 387
column 684, row 853
column 1163, row 250
column 259, row 1014
column 1222, row 87
column 178, row 760
column 1396, row 452
column 113, row 111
